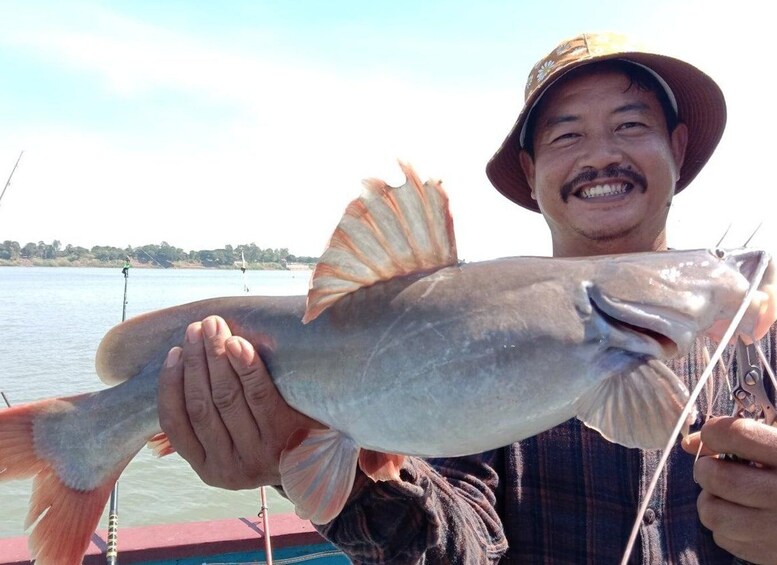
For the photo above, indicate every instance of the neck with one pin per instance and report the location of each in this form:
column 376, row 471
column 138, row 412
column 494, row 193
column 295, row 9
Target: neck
column 589, row 247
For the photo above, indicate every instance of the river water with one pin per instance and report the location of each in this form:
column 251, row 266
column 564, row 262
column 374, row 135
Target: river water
column 51, row 322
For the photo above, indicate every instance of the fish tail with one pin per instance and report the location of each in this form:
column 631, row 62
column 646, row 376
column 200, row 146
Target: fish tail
column 63, row 518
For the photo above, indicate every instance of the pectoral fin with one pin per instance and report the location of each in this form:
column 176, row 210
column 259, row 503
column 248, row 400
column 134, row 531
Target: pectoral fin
column 318, row 468
column 637, row 409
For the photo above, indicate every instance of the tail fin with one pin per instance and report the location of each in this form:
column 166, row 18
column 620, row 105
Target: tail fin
column 63, row 517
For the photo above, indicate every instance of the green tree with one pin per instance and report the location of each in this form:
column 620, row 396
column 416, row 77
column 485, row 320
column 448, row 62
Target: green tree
column 29, row 251
column 10, row 250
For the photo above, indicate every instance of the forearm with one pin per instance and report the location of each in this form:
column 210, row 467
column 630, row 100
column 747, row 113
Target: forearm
column 443, row 511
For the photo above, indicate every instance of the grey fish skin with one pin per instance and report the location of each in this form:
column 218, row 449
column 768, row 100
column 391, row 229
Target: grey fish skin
column 461, row 360
column 405, row 351
column 422, row 365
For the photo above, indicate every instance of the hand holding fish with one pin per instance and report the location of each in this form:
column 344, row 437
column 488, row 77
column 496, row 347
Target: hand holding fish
column 736, row 501
column 222, row 412
column 397, row 350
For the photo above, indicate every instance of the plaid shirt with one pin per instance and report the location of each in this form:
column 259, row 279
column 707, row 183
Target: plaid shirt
column 563, row 496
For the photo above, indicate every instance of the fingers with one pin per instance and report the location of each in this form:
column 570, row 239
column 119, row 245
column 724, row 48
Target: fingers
column 735, row 501
column 231, row 420
column 173, row 415
column 275, row 419
column 202, row 370
column 222, row 411
column 203, row 411
column 745, row 532
column 691, row 444
column 743, row 437
column 737, row 482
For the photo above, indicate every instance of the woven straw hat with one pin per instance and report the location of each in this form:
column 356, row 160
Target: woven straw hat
column 698, row 99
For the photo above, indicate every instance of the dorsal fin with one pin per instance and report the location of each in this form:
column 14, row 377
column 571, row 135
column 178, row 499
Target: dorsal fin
column 385, row 233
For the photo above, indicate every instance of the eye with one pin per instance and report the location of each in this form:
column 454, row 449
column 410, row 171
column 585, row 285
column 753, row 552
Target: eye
column 631, row 125
column 565, row 137
column 720, row 253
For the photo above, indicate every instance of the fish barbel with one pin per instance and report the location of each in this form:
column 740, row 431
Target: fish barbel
column 400, row 350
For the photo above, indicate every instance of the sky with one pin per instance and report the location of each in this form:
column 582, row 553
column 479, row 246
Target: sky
column 203, row 124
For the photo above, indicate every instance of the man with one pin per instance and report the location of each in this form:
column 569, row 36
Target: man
column 607, row 136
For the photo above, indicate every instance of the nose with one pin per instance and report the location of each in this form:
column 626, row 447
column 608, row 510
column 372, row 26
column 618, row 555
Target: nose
column 600, row 151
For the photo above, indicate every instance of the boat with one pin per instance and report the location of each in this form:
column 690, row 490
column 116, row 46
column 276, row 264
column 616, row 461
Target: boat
column 223, row 542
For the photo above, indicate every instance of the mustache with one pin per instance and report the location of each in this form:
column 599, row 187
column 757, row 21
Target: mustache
column 608, row 172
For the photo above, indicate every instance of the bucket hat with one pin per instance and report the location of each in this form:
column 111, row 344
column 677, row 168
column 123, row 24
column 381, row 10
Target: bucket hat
column 696, row 97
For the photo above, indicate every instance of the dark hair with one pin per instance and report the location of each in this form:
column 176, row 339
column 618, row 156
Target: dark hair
column 638, row 76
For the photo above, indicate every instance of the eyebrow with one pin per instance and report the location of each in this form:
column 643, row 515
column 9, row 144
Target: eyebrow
column 566, row 118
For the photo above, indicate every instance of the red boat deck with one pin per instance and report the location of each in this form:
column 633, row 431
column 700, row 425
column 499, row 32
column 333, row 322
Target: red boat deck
column 182, row 540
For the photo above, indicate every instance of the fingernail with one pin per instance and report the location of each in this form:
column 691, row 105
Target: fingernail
column 173, row 357
column 194, row 333
column 210, row 327
column 235, row 348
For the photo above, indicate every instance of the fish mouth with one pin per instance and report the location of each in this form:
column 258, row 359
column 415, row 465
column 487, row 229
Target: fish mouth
column 762, row 310
column 657, row 332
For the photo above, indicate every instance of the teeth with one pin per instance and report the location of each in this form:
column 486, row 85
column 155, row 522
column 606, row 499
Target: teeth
column 602, row 190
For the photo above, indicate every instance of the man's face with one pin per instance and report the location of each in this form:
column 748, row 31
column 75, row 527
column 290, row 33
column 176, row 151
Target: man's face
column 605, row 165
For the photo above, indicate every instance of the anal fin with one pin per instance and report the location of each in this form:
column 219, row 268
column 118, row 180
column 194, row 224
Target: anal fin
column 380, row 466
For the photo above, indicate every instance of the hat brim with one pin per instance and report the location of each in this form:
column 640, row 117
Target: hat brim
column 700, row 105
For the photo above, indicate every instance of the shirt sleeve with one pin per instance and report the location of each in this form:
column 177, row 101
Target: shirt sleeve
column 441, row 511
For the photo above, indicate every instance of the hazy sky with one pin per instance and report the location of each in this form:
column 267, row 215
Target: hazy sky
column 211, row 123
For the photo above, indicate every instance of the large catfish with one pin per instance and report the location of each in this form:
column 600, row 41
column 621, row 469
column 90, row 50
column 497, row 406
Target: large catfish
column 400, row 350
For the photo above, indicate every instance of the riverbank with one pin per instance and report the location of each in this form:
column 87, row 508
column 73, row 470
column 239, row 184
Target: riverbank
column 65, row 262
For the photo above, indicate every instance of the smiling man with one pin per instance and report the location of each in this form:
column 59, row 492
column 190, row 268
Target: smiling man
column 603, row 162
column 608, row 135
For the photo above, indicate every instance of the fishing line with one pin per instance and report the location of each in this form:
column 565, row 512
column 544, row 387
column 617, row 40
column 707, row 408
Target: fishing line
column 722, row 237
column 752, row 235
column 722, row 346
column 8, row 182
column 710, row 385
column 765, row 363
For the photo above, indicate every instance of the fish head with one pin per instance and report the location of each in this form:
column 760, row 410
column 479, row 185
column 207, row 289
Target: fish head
column 670, row 298
column 759, row 269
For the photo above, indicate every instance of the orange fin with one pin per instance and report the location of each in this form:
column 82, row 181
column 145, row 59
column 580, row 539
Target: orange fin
column 318, row 468
column 380, row 466
column 160, row 445
column 385, row 233
column 63, row 519
column 651, row 390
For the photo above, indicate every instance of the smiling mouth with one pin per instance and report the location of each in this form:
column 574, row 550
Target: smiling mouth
column 604, row 190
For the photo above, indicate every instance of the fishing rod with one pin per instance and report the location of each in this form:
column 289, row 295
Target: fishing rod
column 264, row 514
column 112, row 550
column 264, row 511
column 8, row 182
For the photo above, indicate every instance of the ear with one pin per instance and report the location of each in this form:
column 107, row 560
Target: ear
column 679, row 142
column 527, row 164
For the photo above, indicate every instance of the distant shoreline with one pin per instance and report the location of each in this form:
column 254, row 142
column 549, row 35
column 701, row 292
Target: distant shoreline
column 64, row 262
